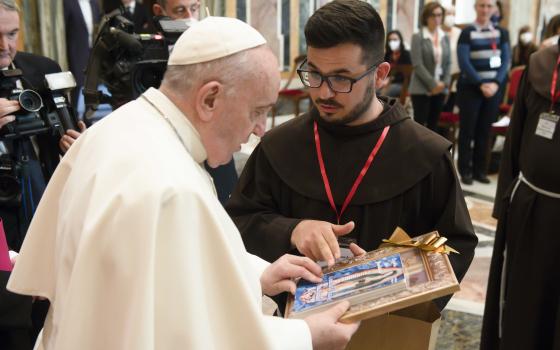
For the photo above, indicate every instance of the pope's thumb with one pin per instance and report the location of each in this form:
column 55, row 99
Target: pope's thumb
column 341, row 230
column 338, row 310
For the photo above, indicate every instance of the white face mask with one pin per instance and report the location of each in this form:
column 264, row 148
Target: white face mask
column 449, row 21
column 395, row 45
column 526, row 37
column 188, row 21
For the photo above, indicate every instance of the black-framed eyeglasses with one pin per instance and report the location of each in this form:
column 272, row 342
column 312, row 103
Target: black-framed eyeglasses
column 337, row 83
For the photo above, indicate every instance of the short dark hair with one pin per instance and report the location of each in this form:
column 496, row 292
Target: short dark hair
column 553, row 27
column 348, row 21
column 428, row 10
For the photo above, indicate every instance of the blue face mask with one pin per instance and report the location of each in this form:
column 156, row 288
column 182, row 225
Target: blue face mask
column 496, row 19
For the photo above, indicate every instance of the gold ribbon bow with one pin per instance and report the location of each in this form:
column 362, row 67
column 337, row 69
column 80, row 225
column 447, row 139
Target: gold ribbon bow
column 431, row 242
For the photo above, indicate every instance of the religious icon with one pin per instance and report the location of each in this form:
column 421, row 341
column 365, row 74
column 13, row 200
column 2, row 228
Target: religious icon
column 373, row 278
column 384, row 280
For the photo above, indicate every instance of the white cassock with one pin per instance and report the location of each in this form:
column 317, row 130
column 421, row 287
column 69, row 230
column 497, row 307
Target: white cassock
column 134, row 251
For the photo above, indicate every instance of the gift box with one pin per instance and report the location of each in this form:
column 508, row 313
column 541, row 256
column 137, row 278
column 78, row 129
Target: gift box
column 403, row 272
column 412, row 328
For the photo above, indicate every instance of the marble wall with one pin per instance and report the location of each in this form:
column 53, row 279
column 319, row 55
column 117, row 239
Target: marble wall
column 264, row 15
column 282, row 21
column 407, row 18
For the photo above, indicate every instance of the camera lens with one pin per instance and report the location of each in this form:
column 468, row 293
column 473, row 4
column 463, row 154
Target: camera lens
column 147, row 74
column 9, row 188
column 30, row 101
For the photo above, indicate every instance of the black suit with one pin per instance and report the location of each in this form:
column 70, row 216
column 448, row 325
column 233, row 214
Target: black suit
column 139, row 17
column 15, row 310
column 77, row 40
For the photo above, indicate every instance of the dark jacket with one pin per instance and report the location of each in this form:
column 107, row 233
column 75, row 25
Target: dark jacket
column 140, row 17
column 18, row 324
column 77, row 38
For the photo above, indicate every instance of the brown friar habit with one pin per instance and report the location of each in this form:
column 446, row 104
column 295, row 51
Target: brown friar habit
column 524, row 275
column 411, row 183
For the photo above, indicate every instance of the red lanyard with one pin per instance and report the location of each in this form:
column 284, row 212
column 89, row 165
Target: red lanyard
column 554, row 95
column 493, row 42
column 358, row 179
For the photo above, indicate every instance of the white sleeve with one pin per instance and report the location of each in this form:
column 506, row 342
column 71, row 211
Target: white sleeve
column 259, row 264
column 288, row 334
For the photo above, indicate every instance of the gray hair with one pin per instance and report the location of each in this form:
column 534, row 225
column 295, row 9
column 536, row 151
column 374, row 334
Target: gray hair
column 229, row 70
column 9, row 5
column 162, row 3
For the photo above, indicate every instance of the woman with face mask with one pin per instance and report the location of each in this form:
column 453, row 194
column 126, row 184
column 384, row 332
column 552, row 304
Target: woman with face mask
column 524, row 48
column 431, row 58
column 395, row 54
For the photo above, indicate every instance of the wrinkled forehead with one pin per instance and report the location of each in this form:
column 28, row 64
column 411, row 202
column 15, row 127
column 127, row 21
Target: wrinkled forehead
column 9, row 20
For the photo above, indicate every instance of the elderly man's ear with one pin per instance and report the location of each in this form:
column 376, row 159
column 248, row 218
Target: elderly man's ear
column 209, row 98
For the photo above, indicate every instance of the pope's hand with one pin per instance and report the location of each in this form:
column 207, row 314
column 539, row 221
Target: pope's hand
column 279, row 276
column 327, row 332
column 318, row 239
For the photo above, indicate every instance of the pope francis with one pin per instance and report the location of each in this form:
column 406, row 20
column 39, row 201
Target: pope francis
column 130, row 244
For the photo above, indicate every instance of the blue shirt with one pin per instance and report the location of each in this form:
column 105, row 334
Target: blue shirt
column 476, row 47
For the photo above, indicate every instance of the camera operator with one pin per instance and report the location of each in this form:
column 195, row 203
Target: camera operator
column 176, row 9
column 36, row 157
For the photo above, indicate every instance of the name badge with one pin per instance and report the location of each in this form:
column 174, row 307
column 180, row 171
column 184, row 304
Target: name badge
column 547, row 125
column 438, row 73
column 495, row 62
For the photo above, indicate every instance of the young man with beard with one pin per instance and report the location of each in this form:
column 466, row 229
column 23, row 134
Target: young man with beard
column 302, row 188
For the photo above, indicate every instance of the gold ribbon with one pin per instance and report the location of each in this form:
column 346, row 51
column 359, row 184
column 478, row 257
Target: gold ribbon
column 431, row 242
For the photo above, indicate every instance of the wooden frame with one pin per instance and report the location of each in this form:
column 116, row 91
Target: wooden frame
column 427, row 276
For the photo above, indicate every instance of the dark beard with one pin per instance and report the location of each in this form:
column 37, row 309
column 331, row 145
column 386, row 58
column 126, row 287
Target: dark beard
column 356, row 112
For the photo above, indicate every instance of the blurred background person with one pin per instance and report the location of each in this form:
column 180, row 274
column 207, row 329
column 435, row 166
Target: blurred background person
column 484, row 55
column 552, row 32
column 80, row 19
column 431, row 59
column 395, row 54
column 137, row 14
column 524, row 48
column 497, row 16
column 177, row 9
column 453, row 32
column 523, row 298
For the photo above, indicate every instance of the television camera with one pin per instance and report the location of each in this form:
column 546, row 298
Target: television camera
column 126, row 62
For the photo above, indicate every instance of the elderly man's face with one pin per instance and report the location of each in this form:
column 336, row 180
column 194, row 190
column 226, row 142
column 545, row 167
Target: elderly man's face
column 176, row 9
column 245, row 109
column 9, row 29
